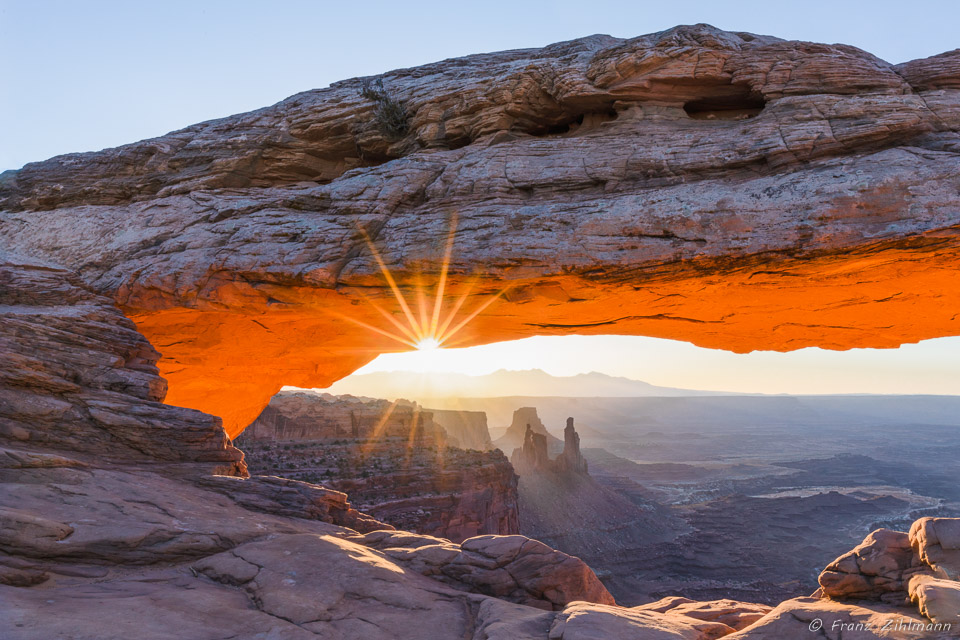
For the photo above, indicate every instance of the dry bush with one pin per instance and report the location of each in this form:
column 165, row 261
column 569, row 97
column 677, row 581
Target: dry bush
column 390, row 114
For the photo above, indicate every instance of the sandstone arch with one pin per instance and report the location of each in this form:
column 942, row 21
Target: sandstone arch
column 829, row 218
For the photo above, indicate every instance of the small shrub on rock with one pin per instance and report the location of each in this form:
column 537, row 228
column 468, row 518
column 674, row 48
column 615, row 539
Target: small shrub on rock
column 391, row 115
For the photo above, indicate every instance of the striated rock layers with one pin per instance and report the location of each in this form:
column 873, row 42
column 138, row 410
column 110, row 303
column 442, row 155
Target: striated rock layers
column 77, row 377
column 95, row 468
column 294, row 415
column 734, row 190
column 469, row 428
column 391, row 458
column 309, row 416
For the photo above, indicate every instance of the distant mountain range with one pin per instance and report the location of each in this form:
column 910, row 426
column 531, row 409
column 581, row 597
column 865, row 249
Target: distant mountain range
column 531, row 382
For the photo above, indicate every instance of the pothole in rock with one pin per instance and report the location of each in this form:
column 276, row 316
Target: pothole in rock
column 739, row 105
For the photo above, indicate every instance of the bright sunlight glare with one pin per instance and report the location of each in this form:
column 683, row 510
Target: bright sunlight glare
column 428, row 344
column 929, row 367
column 430, row 330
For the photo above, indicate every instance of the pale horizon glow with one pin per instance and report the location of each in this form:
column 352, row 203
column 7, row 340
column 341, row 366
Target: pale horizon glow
column 927, row 367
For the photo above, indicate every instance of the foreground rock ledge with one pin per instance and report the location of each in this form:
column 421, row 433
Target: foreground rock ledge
column 736, row 191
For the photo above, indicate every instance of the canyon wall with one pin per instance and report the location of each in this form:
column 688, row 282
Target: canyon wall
column 469, row 428
column 310, row 416
column 77, row 377
column 124, row 517
column 391, row 458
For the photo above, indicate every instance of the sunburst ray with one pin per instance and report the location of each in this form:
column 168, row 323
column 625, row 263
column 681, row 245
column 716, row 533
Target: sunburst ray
column 401, row 300
column 426, row 327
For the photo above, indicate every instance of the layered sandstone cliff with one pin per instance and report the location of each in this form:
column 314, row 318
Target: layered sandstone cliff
column 310, row 416
column 95, row 468
column 77, row 377
column 469, row 428
column 391, row 458
column 599, row 180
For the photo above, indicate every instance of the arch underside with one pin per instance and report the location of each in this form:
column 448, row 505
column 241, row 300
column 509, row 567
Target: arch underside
column 229, row 362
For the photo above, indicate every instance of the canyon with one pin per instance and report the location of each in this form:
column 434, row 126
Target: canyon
column 394, row 461
column 737, row 191
column 686, row 508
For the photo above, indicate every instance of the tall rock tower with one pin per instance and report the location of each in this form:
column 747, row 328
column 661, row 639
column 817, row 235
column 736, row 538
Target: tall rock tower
column 532, row 456
column 571, row 460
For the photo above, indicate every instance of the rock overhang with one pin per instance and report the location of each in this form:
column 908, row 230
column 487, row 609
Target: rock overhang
column 580, row 184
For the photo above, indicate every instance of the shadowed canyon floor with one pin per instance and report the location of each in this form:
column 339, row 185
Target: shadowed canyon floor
column 733, row 190
column 708, row 515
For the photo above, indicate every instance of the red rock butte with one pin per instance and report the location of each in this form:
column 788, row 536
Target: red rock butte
column 735, row 191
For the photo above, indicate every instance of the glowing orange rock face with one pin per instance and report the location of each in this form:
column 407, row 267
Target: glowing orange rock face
column 229, row 363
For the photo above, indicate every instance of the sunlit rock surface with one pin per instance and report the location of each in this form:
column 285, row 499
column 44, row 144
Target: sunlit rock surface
column 811, row 617
column 732, row 190
column 882, row 565
column 514, row 568
column 937, row 541
column 892, row 568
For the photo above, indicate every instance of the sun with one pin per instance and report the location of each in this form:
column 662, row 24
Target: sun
column 428, row 344
column 427, row 327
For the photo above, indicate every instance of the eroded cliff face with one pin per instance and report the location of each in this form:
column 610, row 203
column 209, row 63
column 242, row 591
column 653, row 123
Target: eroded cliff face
column 469, row 428
column 78, row 378
column 308, row 416
column 391, row 458
column 732, row 190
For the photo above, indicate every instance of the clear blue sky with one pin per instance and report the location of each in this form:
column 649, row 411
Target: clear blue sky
column 85, row 75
